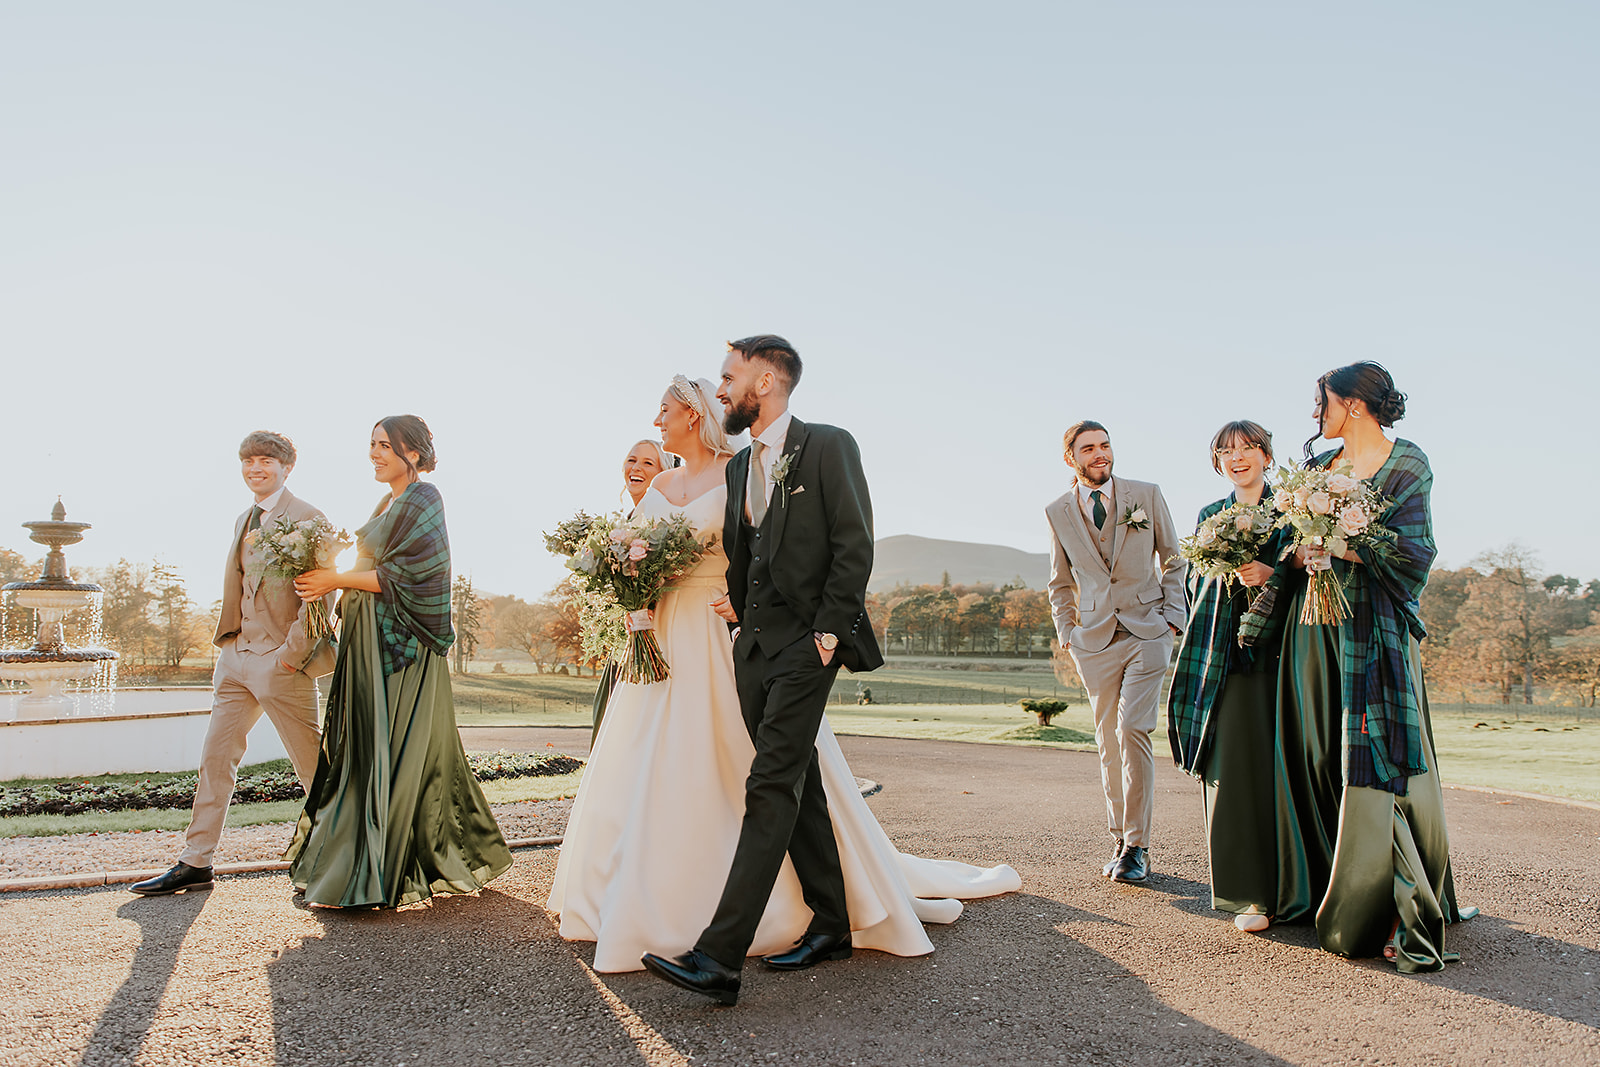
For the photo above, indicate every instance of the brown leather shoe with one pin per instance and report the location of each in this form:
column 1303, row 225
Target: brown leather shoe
column 1111, row 864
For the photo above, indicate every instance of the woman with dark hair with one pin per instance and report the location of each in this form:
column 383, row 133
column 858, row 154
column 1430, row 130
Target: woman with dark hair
column 1362, row 843
column 1222, row 709
column 394, row 814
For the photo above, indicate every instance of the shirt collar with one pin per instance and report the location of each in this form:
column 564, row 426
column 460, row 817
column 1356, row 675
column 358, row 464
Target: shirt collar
column 271, row 502
column 774, row 436
column 1084, row 489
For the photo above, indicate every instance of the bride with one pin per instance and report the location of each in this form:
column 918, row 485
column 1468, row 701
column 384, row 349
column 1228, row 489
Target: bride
column 653, row 830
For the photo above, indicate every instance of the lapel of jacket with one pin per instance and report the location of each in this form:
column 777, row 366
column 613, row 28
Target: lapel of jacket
column 739, row 469
column 779, row 508
column 1121, row 501
column 1077, row 528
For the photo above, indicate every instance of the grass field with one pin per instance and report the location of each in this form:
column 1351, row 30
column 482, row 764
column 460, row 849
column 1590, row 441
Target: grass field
column 1554, row 751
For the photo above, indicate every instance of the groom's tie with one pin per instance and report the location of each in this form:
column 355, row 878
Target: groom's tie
column 756, row 491
column 1099, row 499
column 255, row 518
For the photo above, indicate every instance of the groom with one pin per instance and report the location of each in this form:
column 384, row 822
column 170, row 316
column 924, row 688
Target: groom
column 798, row 533
column 1117, row 598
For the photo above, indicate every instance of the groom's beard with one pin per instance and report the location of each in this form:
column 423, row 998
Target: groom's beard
column 1094, row 478
column 743, row 415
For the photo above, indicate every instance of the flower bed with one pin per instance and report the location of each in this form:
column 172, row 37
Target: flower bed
column 74, row 798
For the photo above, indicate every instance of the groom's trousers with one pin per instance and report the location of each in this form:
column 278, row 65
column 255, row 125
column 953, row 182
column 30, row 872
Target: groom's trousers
column 783, row 698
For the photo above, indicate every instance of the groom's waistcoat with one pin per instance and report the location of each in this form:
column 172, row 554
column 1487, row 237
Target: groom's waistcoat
column 767, row 617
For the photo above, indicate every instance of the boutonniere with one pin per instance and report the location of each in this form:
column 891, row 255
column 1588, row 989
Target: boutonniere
column 1134, row 518
column 780, row 474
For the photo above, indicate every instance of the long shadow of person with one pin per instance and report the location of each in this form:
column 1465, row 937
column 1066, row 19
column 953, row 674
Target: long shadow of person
column 163, row 923
column 480, row 977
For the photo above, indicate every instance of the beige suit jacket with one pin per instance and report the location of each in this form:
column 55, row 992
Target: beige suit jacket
column 276, row 604
column 1142, row 587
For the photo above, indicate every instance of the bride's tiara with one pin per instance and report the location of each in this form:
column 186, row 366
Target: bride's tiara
column 689, row 393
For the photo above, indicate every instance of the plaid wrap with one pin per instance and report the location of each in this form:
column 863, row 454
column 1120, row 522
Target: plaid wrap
column 1383, row 744
column 410, row 548
column 1209, row 651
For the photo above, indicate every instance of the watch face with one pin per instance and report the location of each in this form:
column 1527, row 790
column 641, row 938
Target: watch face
column 829, row 642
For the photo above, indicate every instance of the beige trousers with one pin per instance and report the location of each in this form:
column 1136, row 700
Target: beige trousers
column 1124, row 684
column 247, row 684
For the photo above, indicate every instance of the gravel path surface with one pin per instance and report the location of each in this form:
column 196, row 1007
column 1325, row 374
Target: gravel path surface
column 1073, row 969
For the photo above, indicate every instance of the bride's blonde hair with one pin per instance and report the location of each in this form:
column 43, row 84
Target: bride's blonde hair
column 697, row 395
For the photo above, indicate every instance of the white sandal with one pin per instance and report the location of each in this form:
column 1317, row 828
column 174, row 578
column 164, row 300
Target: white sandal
column 1252, row 924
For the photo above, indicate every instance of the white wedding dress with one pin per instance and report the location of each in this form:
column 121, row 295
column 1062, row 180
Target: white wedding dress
column 652, row 833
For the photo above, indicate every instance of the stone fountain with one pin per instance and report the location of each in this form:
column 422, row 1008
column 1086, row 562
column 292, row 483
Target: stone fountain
column 50, row 663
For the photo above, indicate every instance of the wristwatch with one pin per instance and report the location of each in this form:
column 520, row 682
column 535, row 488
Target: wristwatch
column 828, row 641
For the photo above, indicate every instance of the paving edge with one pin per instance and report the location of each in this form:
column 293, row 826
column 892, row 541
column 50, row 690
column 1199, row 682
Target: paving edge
column 90, row 879
column 1591, row 805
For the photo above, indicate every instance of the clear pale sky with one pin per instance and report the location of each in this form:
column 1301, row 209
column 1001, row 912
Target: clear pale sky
column 978, row 223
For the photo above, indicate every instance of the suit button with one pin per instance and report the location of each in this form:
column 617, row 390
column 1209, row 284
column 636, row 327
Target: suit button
column 758, row 537
column 754, row 606
column 758, row 629
column 758, row 559
column 756, row 581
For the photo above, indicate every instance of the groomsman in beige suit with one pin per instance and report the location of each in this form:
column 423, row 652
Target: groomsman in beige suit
column 1116, row 594
column 266, row 664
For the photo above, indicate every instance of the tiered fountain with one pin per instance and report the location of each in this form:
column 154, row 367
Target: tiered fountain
column 49, row 664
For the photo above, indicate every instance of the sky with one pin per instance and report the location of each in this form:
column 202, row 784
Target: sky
column 977, row 223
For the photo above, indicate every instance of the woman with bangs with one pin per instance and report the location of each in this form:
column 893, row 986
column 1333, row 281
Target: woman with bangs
column 1222, row 708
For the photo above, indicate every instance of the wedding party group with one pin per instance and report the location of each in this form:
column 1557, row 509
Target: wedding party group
column 717, row 818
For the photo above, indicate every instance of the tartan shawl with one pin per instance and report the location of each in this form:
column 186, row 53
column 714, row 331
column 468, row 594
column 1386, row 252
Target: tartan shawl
column 1383, row 743
column 1209, row 651
column 411, row 550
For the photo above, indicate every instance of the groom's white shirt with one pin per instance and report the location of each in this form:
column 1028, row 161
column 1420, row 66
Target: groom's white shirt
column 1086, row 501
column 773, row 438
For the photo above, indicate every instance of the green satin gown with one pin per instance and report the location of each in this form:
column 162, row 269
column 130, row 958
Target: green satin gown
column 1351, row 857
column 1237, row 781
column 394, row 814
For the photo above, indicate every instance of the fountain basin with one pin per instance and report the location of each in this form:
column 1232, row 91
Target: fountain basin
column 130, row 732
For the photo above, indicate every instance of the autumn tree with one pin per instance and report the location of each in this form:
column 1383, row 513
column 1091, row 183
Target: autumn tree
column 467, row 615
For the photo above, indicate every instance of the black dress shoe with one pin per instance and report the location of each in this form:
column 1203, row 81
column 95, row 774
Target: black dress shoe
column 1111, row 864
column 179, row 878
column 696, row 972
column 809, row 951
column 1133, row 865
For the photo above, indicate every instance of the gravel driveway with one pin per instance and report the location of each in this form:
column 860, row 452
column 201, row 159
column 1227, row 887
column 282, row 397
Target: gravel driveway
column 1073, row 969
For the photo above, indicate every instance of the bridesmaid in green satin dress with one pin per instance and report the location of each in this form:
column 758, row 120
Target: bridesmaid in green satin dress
column 1362, row 842
column 1222, row 708
column 394, row 814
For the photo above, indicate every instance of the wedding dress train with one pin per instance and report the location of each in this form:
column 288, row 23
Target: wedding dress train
column 652, row 833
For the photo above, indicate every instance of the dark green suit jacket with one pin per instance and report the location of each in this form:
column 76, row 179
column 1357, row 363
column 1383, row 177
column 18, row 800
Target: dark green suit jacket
column 821, row 547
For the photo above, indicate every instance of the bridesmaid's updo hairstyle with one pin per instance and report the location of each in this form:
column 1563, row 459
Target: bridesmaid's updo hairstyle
column 1368, row 382
column 1240, row 433
column 407, row 433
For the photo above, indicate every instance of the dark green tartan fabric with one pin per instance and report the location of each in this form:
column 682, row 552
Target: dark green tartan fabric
column 1209, row 651
column 410, row 548
column 1383, row 744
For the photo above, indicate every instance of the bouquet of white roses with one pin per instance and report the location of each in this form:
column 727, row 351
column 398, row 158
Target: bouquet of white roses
column 1228, row 540
column 1330, row 511
column 632, row 563
column 289, row 549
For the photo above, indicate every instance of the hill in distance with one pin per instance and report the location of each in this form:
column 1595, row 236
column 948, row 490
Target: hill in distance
column 924, row 561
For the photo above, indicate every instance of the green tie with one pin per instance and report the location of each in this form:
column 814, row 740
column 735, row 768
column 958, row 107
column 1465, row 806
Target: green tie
column 1099, row 499
column 255, row 518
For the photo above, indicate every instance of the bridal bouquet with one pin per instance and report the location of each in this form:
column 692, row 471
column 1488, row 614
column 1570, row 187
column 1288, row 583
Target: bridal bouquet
column 289, row 549
column 1228, row 540
column 1330, row 511
column 632, row 563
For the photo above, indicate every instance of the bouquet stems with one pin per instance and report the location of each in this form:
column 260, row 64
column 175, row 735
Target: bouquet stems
column 1325, row 603
column 318, row 624
column 642, row 661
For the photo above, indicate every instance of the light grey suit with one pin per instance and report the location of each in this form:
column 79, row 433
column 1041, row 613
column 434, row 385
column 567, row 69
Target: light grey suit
column 266, row 664
column 1116, row 595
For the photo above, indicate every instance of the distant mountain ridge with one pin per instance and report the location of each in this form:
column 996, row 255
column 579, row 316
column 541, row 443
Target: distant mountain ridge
column 925, row 560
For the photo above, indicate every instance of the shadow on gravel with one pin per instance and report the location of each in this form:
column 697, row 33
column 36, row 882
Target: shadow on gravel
column 1008, row 982
column 481, row 979
column 163, row 922
column 1502, row 962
